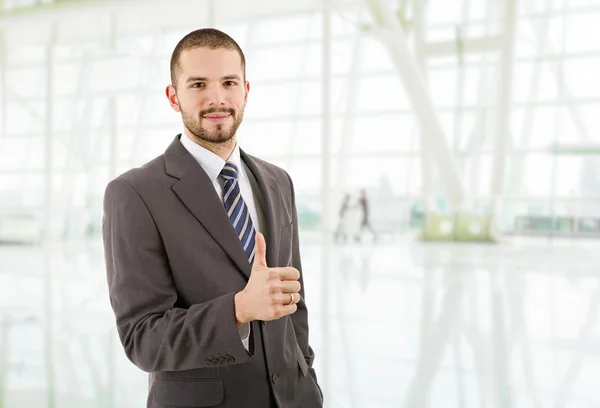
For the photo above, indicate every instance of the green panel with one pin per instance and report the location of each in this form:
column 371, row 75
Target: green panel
column 456, row 227
column 473, row 227
column 439, row 227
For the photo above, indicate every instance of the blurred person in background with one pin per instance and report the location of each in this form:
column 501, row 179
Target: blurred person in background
column 365, row 223
column 202, row 253
column 341, row 233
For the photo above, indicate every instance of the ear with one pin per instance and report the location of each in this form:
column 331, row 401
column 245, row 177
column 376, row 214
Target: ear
column 247, row 91
column 172, row 97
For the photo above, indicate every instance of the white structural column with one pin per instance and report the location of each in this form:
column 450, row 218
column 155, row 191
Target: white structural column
column 112, row 108
column 326, row 193
column 49, row 136
column 504, row 104
column 391, row 34
column 426, row 161
column 48, row 224
column 3, row 85
column 347, row 137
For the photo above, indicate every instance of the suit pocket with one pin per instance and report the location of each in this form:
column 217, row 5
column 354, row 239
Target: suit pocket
column 302, row 363
column 188, row 393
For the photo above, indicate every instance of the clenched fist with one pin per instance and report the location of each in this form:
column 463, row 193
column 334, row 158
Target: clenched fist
column 271, row 293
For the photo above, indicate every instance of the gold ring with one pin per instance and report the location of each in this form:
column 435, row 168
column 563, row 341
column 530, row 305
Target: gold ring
column 291, row 299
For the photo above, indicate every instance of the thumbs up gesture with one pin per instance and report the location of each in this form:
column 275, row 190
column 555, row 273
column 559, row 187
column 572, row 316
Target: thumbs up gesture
column 271, row 293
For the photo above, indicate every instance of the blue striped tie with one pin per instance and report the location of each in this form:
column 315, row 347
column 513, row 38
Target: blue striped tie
column 237, row 210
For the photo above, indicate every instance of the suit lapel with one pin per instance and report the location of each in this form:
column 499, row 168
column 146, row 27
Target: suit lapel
column 271, row 203
column 198, row 194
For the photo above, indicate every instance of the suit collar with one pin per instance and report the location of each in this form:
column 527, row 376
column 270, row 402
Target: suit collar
column 210, row 162
column 196, row 191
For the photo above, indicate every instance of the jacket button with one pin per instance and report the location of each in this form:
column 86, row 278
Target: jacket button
column 222, row 360
column 209, row 363
column 230, row 359
column 275, row 378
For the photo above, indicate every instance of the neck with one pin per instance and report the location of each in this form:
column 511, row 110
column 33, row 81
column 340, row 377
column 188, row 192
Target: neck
column 222, row 149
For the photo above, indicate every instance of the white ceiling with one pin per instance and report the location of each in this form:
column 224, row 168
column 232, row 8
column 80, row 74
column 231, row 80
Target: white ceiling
column 92, row 18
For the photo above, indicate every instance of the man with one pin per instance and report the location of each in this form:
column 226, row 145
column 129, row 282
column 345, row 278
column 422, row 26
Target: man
column 365, row 223
column 202, row 254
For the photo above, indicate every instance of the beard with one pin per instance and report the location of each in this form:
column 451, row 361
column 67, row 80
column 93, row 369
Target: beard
column 220, row 133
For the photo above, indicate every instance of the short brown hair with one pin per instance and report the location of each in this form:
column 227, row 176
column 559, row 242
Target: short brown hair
column 204, row 37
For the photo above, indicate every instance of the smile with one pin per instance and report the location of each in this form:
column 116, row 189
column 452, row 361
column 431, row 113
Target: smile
column 217, row 118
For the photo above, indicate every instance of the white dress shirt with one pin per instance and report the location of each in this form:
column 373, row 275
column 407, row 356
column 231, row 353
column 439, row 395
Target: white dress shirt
column 212, row 165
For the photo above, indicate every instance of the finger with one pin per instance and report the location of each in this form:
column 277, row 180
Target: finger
column 260, row 251
column 289, row 274
column 290, row 286
column 288, row 309
column 287, row 298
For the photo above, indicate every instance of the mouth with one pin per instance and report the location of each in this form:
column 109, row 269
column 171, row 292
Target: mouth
column 216, row 117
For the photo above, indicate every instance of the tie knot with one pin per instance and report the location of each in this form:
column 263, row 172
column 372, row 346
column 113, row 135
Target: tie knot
column 230, row 171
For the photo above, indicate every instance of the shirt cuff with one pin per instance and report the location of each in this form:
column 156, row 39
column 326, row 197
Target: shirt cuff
column 244, row 331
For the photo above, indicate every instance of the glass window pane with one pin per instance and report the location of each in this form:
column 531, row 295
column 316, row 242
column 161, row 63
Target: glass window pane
column 383, row 134
column 581, row 76
column 535, row 127
column 381, row 93
column 266, row 137
column 583, row 32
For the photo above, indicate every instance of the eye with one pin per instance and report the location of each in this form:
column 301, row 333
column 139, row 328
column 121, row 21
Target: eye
column 198, row 85
column 230, row 83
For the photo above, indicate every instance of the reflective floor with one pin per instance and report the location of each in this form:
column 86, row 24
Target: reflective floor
column 399, row 324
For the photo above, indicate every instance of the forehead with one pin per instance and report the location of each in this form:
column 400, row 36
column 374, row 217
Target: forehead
column 207, row 62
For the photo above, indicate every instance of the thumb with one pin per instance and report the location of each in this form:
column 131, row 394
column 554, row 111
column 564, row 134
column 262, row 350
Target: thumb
column 260, row 251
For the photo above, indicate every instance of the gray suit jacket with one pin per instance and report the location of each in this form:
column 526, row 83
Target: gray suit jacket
column 174, row 264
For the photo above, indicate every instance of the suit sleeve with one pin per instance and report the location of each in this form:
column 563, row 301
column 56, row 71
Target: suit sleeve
column 300, row 317
column 156, row 335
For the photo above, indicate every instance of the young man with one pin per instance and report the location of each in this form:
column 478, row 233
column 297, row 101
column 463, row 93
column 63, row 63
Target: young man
column 202, row 254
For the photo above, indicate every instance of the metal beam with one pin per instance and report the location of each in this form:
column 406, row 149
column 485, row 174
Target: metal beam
column 469, row 46
column 391, row 34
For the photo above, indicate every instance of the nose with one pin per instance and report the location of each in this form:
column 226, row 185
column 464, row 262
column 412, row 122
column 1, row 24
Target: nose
column 216, row 96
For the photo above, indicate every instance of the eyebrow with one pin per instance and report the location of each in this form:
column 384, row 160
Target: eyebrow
column 205, row 79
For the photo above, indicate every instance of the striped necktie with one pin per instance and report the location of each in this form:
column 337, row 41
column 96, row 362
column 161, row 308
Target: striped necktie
column 237, row 210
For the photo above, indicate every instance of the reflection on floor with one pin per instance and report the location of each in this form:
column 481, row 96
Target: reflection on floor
column 407, row 324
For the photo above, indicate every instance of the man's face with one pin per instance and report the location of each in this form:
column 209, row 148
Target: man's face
column 211, row 93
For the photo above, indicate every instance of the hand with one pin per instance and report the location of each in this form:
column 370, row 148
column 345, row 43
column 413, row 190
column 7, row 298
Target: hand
column 271, row 293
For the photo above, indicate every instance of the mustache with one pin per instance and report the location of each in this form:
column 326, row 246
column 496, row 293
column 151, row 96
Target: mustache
column 231, row 111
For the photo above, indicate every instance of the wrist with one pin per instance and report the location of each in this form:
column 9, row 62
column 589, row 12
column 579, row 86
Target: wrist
column 239, row 310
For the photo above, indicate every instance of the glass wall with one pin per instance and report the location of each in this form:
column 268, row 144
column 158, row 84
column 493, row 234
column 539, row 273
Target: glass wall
column 82, row 100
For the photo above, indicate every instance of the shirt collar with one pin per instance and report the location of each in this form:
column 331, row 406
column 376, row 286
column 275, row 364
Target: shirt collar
column 210, row 162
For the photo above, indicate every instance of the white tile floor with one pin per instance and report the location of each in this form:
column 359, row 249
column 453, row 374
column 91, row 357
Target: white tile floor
column 407, row 324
